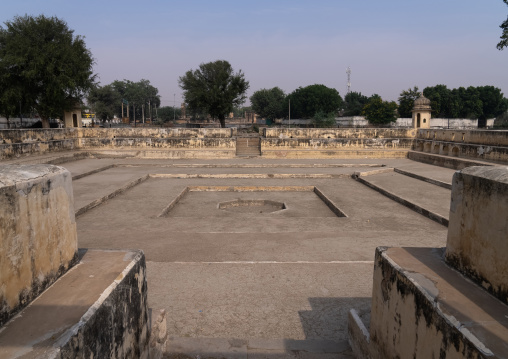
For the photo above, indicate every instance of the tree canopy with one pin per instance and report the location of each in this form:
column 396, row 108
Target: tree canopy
column 480, row 102
column 353, row 103
column 309, row 100
column 379, row 112
column 104, row 102
column 43, row 64
column 406, row 101
column 269, row 103
column 141, row 96
column 504, row 35
column 214, row 88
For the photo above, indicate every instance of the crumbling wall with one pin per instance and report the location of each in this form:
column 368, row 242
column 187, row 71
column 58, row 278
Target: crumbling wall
column 38, row 240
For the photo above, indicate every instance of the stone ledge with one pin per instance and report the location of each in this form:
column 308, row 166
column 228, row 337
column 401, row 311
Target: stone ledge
column 97, row 309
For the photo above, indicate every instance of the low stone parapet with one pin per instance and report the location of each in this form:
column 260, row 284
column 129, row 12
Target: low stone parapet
column 96, row 310
column 38, row 238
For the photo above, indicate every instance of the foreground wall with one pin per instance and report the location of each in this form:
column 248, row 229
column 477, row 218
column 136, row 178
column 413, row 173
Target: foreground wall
column 477, row 242
column 38, row 240
column 424, row 306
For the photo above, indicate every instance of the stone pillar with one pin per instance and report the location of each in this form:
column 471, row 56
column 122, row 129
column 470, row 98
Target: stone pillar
column 477, row 242
column 38, row 238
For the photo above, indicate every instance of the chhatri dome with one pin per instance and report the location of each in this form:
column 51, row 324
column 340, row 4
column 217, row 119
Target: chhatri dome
column 421, row 103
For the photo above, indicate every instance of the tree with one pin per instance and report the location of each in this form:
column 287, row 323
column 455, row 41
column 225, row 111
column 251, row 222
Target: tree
column 493, row 103
column 504, row 36
column 168, row 113
column 214, row 88
column 406, row 101
column 269, row 103
column 323, row 120
column 104, row 102
column 439, row 97
column 43, row 59
column 140, row 95
column 354, row 102
column 307, row 101
column 379, row 112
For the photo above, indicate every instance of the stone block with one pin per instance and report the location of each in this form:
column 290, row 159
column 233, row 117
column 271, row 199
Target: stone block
column 477, row 243
column 38, row 239
column 422, row 308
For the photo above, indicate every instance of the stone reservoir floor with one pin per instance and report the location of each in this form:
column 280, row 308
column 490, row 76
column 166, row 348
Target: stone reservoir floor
column 248, row 284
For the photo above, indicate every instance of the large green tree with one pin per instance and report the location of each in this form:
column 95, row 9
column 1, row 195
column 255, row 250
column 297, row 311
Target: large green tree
column 42, row 59
column 269, row 103
column 504, row 35
column 379, row 112
column 309, row 100
column 406, row 101
column 214, row 88
column 353, row 103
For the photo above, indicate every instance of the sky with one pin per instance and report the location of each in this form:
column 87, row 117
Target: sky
column 390, row 45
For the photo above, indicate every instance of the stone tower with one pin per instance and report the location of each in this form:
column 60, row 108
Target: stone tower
column 421, row 112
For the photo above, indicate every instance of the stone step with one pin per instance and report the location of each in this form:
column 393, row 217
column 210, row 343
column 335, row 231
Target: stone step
column 248, row 146
column 246, row 348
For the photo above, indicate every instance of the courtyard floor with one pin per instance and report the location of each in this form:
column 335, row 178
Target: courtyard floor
column 256, row 281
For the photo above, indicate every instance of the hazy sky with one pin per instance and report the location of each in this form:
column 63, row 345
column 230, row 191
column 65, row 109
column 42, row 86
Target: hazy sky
column 390, row 45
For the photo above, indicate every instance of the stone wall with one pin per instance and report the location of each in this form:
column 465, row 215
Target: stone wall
column 20, row 143
column 473, row 144
column 38, row 240
column 336, row 143
column 345, row 133
column 477, row 242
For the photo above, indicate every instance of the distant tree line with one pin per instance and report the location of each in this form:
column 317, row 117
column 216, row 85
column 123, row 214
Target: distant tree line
column 480, row 102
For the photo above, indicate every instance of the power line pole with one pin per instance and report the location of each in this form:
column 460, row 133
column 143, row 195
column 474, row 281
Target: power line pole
column 348, row 72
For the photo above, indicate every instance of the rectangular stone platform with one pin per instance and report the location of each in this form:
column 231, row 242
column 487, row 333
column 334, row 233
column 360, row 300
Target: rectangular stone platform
column 97, row 309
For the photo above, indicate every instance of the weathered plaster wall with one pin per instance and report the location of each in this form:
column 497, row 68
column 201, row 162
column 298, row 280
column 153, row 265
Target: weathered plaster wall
column 479, row 137
column 477, row 242
column 404, row 320
column 20, row 143
column 116, row 326
column 38, row 240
